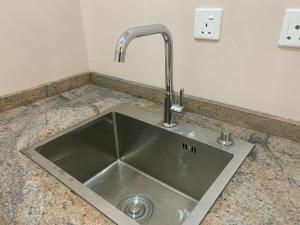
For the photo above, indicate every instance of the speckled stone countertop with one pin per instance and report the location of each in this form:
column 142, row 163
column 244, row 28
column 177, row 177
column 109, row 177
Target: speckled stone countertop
column 265, row 190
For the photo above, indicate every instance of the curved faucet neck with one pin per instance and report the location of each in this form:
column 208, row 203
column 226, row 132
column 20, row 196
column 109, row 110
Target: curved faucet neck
column 136, row 32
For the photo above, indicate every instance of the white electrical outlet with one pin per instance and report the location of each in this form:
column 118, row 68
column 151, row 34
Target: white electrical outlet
column 290, row 32
column 208, row 23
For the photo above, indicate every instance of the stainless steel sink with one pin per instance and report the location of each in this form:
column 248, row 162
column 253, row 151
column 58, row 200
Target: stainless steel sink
column 134, row 171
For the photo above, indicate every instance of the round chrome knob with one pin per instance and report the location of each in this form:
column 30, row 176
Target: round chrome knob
column 225, row 138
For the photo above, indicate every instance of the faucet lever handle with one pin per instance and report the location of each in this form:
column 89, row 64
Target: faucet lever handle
column 181, row 95
column 178, row 108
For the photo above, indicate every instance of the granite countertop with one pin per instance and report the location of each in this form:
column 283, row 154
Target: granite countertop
column 265, row 190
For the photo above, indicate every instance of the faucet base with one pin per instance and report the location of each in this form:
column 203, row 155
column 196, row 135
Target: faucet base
column 168, row 125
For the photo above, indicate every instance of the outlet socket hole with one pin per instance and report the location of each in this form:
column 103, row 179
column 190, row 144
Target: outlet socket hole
column 297, row 27
column 289, row 37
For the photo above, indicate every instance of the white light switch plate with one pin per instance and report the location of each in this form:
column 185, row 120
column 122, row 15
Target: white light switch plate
column 208, row 23
column 290, row 32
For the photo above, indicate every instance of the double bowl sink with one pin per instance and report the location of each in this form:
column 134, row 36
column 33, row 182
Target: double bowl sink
column 136, row 172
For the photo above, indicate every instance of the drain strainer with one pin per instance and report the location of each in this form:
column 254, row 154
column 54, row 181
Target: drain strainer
column 137, row 207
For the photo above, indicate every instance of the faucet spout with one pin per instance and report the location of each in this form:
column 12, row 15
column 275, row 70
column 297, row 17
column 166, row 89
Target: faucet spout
column 120, row 52
column 120, row 56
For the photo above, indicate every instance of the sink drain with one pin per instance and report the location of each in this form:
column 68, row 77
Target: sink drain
column 137, row 207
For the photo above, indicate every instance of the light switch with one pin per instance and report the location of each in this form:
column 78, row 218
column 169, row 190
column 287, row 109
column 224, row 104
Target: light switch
column 208, row 23
column 290, row 32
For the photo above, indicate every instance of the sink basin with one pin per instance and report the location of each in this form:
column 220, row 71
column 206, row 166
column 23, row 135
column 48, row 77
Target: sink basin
column 136, row 172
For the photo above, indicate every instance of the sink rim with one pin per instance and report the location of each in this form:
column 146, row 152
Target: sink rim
column 239, row 150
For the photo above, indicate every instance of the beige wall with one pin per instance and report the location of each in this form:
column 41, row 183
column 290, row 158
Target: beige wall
column 246, row 68
column 40, row 41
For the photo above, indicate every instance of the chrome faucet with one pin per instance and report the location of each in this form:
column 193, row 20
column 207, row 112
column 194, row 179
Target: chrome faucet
column 120, row 53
